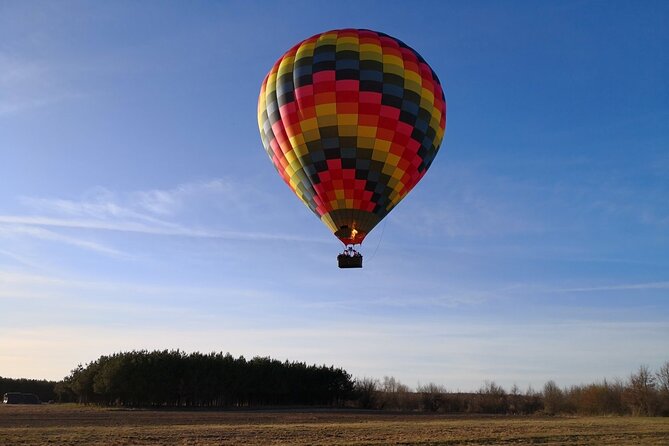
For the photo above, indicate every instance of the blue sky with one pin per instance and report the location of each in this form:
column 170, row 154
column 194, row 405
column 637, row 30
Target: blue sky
column 138, row 208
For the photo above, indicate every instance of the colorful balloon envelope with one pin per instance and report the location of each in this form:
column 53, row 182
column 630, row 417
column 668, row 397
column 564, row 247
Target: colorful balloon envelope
column 351, row 119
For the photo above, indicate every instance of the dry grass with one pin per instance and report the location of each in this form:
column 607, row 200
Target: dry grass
column 76, row 425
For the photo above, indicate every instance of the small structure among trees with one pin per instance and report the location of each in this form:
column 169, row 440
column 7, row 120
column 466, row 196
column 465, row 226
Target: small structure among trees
column 20, row 398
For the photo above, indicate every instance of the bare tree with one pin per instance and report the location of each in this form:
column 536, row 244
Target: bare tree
column 432, row 397
column 532, row 401
column 392, row 385
column 553, row 398
column 662, row 377
column 492, row 398
column 640, row 392
column 367, row 390
column 395, row 395
column 514, row 399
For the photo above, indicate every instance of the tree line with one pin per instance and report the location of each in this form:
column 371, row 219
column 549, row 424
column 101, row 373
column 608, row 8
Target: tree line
column 42, row 388
column 172, row 378
column 176, row 379
column 643, row 393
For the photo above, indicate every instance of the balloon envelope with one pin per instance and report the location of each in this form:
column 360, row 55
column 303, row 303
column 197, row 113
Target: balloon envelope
column 352, row 120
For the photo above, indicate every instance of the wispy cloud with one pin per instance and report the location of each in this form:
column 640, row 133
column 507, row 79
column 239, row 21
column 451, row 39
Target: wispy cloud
column 535, row 289
column 471, row 203
column 15, row 105
column 44, row 234
column 601, row 189
column 84, row 301
column 28, row 84
column 477, row 200
column 130, row 226
column 621, row 287
column 171, row 201
column 98, row 203
column 21, row 259
column 121, row 226
column 158, row 212
column 71, row 283
column 404, row 302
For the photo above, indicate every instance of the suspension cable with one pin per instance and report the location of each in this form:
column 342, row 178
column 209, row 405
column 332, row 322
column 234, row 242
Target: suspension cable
column 383, row 230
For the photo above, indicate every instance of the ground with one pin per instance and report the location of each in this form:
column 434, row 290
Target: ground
column 78, row 425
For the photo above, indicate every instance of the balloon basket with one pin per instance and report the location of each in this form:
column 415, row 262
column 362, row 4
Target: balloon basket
column 350, row 259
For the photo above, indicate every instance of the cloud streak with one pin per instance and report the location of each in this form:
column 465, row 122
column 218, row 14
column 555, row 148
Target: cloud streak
column 622, row 287
column 44, row 234
column 171, row 201
column 29, row 84
column 156, row 212
column 137, row 227
column 472, row 203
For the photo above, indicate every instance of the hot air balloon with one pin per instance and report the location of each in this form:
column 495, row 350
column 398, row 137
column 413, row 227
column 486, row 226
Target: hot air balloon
column 352, row 120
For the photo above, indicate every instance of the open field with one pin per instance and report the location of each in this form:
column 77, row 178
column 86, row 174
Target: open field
column 76, row 425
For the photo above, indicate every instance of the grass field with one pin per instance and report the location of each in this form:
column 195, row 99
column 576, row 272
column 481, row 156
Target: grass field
column 76, row 425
